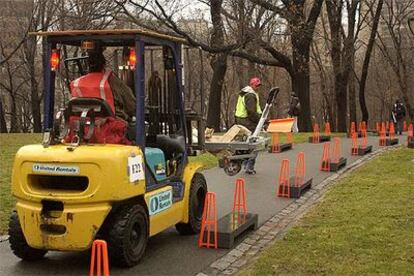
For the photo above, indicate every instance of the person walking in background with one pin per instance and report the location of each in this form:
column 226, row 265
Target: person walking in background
column 398, row 115
column 294, row 111
column 248, row 113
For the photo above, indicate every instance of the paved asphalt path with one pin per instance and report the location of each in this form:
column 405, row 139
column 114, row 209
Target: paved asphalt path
column 172, row 254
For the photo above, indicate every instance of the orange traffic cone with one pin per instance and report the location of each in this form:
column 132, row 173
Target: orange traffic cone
column 382, row 135
column 283, row 189
column 315, row 135
column 327, row 129
column 100, row 250
column 354, row 149
column 325, row 165
column 300, row 170
column 336, row 150
column 239, row 198
column 209, row 222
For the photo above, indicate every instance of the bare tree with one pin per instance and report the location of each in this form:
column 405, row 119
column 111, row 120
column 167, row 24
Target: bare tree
column 218, row 64
column 301, row 24
column 395, row 45
column 342, row 52
column 367, row 58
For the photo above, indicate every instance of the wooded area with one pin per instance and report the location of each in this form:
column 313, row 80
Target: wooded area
column 347, row 60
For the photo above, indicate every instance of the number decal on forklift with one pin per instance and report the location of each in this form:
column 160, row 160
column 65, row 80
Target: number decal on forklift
column 135, row 168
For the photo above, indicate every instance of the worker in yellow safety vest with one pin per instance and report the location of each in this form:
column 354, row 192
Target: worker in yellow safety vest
column 248, row 113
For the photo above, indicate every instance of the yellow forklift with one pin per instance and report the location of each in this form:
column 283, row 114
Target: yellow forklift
column 69, row 193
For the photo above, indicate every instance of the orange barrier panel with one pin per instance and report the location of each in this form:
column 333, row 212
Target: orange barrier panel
column 239, row 199
column 280, row 125
column 336, row 150
column 315, row 135
column 410, row 134
column 327, row 129
column 275, row 143
column 100, row 254
column 325, row 165
column 392, row 130
column 209, row 221
column 289, row 138
column 300, row 170
column 283, row 189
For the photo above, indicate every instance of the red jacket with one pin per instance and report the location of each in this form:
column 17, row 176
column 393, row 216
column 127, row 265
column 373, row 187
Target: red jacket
column 94, row 85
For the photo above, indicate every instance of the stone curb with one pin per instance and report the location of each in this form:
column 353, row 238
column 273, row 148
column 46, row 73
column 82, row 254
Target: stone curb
column 4, row 238
column 277, row 226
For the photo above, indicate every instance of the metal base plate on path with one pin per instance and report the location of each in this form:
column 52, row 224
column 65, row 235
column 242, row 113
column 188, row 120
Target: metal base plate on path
column 411, row 145
column 391, row 142
column 232, row 226
column 297, row 192
column 362, row 151
column 334, row 167
column 322, row 138
column 282, row 147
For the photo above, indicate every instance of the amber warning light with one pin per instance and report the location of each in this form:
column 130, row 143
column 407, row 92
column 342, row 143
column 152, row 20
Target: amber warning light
column 54, row 60
column 132, row 60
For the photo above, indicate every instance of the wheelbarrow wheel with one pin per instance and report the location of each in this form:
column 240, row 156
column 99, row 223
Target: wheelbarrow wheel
column 232, row 167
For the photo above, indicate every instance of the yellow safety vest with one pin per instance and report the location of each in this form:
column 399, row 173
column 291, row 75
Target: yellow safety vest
column 241, row 110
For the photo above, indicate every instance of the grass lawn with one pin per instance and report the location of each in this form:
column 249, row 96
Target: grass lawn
column 9, row 144
column 364, row 225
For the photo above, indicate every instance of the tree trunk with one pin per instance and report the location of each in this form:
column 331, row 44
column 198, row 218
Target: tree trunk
column 3, row 124
column 219, row 65
column 34, row 90
column 341, row 102
column 14, row 120
column 365, row 67
column 352, row 100
column 301, row 82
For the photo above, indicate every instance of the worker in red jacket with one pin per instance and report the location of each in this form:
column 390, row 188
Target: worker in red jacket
column 104, row 84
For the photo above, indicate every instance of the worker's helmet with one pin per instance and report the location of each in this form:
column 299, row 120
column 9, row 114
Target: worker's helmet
column 255, row 82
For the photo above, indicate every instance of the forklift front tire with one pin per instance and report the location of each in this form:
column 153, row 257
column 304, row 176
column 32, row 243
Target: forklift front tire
column 18, row 242
column 198, row 193
column 128, row 236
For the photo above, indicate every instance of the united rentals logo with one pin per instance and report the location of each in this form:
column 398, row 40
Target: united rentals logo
column 160, row 202
column 55, row 169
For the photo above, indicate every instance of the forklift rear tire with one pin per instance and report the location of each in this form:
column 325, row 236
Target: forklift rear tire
column 128, row 235
column 18, row 242
column 198, row 193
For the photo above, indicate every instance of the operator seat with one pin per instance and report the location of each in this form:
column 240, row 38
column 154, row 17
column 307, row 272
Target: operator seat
column 93, row 120
column 171, row 145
